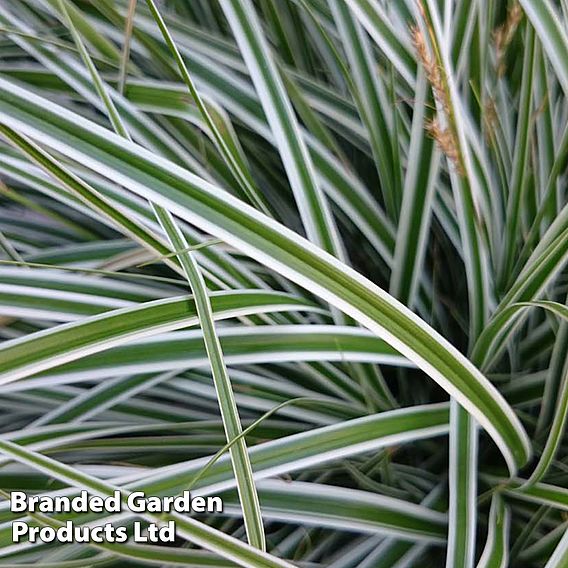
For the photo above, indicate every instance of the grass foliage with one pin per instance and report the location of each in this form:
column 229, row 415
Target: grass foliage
column 309, row 255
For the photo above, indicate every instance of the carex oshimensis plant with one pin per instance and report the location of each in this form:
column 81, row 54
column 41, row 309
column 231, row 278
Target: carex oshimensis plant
column 305, row 255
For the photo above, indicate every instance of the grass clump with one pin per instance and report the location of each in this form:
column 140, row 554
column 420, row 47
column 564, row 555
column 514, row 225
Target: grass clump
column 306, row 255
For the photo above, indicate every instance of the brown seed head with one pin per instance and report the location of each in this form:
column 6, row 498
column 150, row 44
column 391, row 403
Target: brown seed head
column 431, row 68
column 504, row 34
column 446, row 142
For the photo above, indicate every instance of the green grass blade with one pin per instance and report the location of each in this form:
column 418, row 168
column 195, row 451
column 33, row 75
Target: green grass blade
column 496, row 551
column 463, row 488
column 229, row 412
column 417, row 203
column 347, row 509
column 125, row 56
